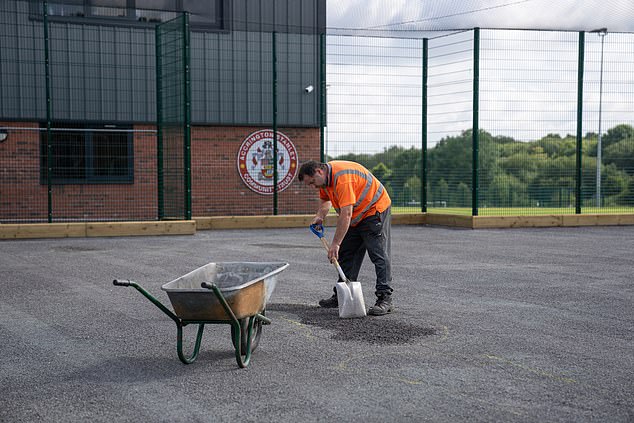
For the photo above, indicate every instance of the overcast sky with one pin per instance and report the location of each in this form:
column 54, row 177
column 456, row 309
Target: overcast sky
column 528, row 79
column 382, row 15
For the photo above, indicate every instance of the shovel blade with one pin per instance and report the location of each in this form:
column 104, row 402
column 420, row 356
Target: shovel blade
column 350, row 297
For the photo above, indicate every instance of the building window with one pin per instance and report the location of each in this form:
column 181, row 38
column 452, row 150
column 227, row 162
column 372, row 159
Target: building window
column 207, row 14
column 87, row 154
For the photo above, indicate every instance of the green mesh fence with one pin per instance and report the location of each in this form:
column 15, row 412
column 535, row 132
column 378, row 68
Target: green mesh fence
column 79, row 101
column 173, row 116
column 374, row 89
column 59, row 161
column 528, row 117
column 449, row 122
column 608, row 122
column 531, row 105
column 297, row 58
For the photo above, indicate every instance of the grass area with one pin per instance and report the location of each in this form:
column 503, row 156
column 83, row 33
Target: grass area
column 515, row 211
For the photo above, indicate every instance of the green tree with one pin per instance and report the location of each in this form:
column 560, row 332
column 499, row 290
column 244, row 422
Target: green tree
column 411, row 190
column 462, row 196
column 621, row 154
column 616, row 134
column 440, row 192
column 382, row 172
column 614, row 185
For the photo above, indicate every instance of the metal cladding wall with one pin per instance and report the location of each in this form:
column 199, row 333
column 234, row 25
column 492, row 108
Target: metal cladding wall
column 102, row 72
column 232, row 78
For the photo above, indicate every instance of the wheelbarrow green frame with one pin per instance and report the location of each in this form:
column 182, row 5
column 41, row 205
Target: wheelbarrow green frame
column 236, row 327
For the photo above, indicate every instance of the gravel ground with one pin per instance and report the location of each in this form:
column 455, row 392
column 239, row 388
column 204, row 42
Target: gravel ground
column 518, row 325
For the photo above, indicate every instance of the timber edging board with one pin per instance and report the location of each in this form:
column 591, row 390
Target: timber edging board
column 189, row 227
column 287, row 221
column 94, row 229
column 548, row 221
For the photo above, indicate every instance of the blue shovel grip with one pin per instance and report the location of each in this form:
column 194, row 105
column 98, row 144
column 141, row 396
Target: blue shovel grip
column 317, row 230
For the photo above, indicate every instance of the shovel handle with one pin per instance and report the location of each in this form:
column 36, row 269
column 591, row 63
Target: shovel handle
column 340, row 270
column 327, row 247
column 319, row 231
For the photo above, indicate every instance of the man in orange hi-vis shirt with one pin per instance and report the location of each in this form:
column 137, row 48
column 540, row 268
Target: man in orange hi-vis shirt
column 364, row 221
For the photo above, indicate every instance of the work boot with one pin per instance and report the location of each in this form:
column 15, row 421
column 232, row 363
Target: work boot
column 329, row 302
column 382, row 306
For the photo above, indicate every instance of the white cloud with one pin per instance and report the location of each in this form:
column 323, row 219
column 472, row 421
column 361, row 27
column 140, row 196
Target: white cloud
column 575, row 15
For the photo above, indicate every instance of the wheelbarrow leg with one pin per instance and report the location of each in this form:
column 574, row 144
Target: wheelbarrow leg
column 243, row 358
column 237, row 335
column 179, row 343
column 236, row 328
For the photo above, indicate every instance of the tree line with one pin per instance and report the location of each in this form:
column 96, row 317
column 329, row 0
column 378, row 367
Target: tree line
column 511, row 173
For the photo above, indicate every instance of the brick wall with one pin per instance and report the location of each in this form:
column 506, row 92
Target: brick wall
column 21, row 195
column 217, row 189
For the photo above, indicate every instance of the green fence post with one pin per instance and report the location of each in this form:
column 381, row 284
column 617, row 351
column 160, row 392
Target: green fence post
column 476, row 127
column 579, row 120
column 423, row 167
column 274, row 42
column 322, row 97
column 49, row 148
column 159, row 125
column 187, row 118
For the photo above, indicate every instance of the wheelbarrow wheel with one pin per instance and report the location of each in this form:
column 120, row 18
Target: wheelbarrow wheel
column 244, row 333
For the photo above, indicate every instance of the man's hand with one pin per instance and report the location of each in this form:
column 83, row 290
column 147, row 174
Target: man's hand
column 318, row 221
column 333, row 252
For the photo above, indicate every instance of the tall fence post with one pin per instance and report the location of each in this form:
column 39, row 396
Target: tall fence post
column 159, row 128
column 476, row 126
column 187, row 118
column 275, row 159
column 579, row 121
column 49, row 148
column 423, row 167
column 173, row 103
column 322, row 97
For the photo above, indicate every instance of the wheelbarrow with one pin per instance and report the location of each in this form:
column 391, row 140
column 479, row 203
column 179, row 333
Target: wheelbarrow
column 234, row 293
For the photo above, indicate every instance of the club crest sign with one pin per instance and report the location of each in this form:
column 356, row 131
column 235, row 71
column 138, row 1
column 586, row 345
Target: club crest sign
column 256, row 162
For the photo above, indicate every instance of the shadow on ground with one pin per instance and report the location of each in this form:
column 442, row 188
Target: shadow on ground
column 384, row 330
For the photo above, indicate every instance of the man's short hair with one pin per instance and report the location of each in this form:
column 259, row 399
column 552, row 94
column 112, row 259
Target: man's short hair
column 308, row 168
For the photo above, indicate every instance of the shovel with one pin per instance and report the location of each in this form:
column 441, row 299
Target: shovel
column 349, row 294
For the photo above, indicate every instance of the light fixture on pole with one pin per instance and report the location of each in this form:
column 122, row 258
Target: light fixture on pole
column 3, row 135
column 602, row 32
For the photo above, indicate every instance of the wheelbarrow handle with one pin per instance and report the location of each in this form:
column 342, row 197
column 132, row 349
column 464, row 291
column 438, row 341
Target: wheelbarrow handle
column 125, row 282
column 207, row 285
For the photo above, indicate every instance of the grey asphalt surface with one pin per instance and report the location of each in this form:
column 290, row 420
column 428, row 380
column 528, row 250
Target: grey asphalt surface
column 519, row 325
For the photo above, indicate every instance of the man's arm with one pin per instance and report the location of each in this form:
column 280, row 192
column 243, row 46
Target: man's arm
column 343, row 223
column 322, row 211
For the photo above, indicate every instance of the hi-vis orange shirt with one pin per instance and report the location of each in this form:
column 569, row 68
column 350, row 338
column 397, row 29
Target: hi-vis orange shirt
column 349, row 183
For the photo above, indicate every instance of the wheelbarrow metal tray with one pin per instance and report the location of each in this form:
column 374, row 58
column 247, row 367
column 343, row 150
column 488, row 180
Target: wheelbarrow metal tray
column 245, row 286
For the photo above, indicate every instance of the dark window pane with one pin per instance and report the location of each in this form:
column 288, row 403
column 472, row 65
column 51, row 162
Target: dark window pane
column 110, row 154
column 67, row 8
column 110, row 3
column 209, row 12
column 69, row 155
column 156, row 10
column 81, row 155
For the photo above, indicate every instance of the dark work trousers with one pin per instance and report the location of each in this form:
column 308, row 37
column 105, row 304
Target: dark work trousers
column 372, row 234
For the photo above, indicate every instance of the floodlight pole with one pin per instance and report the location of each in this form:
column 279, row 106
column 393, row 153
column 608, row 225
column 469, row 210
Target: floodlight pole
column 602, row 32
